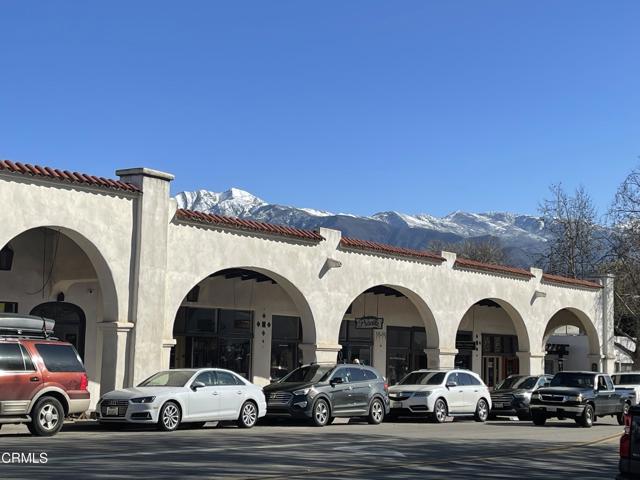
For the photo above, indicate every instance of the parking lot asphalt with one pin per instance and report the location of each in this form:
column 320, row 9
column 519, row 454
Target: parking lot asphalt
column 404, row 449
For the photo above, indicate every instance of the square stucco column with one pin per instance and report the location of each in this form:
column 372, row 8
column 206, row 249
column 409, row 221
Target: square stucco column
column 607, row 348
column 115, row 340
column 153, row 211
column 531, row 363
column 320, row 353
column 440, row 358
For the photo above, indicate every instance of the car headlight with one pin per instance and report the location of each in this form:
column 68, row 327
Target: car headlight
column 536, row 396
column 575, row 398
column 421, row 394
column 302, row 391
column 522, row 395
column 143, row 400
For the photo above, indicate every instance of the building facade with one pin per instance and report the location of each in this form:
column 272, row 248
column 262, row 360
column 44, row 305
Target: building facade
column 139, row 285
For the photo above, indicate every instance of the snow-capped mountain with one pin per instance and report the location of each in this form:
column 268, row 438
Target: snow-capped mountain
column 521, row 235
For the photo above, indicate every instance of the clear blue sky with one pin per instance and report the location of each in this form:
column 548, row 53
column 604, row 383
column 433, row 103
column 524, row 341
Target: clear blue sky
column 352, row 106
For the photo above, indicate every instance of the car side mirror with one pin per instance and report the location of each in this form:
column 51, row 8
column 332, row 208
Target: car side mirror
column 451, row 384
column 336, row 380
column 196, row 385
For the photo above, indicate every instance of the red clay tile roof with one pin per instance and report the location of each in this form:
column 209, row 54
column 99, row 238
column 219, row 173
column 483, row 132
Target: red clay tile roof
column 357, row 244
column 547, row 277
column 66, row 176
column 467, row 264
column 252, row 225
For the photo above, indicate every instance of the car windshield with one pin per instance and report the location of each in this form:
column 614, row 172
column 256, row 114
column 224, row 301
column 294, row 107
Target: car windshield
column 308, row 374
column 574, row 380
column 169, row 378
column 626, row 379
column 423, row 378
column 518, row 381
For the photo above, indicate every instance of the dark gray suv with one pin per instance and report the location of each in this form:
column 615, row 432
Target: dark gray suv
column 321, row 392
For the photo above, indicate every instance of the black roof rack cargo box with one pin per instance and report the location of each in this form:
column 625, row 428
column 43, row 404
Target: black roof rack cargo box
column 11, row 322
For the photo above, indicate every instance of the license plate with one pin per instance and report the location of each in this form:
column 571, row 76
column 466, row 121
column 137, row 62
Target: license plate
column 396, row 404
column 112, row 411
column 498, row 405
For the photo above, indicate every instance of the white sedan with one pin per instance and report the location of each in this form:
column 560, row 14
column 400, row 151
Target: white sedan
column 195, row 396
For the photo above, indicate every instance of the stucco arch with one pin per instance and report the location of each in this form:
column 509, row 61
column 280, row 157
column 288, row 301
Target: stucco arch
column 426, row 315
column 572, row 316
column 524, row 343
column 104, row 273
column 308, row 323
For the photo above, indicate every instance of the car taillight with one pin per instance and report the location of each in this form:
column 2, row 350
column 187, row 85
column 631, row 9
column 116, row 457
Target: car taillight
column 386, row 387
column 84, row 382
column 624, row 445
column 627, row 423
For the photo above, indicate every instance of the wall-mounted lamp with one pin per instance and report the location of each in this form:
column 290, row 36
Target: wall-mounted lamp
column 6, row 258
column 193, row 294
column 333, row 263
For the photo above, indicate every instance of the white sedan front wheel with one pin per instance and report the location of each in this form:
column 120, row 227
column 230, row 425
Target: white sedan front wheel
column 248, row 415
column 170, row 416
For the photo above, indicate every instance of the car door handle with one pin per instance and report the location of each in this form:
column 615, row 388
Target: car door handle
column 239, row 392
column 214, row 393
column 34, row 379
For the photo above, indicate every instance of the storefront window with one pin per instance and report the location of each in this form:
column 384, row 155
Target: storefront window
column 405, row 351
column 465, row 346
column 209, row 337
column 357, row 343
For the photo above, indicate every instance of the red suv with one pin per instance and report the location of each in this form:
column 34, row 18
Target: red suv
column 42, row 379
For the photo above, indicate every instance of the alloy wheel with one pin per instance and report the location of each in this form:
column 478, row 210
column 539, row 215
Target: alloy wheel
column 249, row 414
column 482, row 411
column 49, row 417
column 440, row 411
column 170, row 417
column 321, row 413
column 376, row 414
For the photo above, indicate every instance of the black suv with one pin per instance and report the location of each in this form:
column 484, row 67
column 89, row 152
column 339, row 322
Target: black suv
column 322, row 392
column 583, row 396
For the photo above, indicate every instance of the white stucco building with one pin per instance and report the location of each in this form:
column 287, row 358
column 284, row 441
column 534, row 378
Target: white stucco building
column 139, row 285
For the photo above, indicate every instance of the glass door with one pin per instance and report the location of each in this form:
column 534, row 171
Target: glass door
column 491, row 371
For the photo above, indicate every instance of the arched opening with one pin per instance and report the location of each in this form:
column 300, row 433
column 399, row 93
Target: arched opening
column 71, row 323
column 244, row 319
column 489, row 338
column 571, row 342
column 391, row 328
column 58, row 273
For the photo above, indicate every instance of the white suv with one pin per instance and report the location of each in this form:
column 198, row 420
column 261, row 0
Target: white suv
column 440, row 394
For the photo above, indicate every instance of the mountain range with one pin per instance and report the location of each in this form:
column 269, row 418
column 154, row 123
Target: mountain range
column 521, row 236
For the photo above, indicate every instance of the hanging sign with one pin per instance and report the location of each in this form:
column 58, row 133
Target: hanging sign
column 369, row 322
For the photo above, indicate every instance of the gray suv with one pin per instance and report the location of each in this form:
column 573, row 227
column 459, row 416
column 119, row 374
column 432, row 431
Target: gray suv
column 321, row 392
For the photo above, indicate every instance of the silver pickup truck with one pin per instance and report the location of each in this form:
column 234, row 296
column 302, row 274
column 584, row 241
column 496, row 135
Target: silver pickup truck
column 629, row 383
